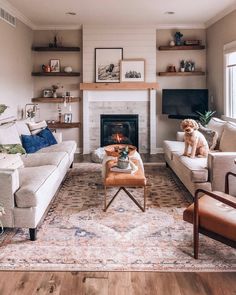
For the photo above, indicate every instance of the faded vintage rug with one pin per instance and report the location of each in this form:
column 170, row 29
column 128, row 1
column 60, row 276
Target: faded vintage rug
column 77, row 235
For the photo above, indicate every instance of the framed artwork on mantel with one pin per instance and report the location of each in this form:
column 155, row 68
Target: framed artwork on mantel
column 107, row 64
column 132, row 70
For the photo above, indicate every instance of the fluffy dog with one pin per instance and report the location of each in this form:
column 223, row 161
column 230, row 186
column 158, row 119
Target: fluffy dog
column 195, row 139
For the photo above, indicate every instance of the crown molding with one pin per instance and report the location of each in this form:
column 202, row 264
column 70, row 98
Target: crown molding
column 181, row 26
column 57, row 27
column 220, row 15
column 16, row 13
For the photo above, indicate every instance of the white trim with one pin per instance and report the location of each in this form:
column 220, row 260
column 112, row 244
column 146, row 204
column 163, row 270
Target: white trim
column 157, row 151
column 16, row 13
column 57, row 27
column 230, row 47
column 180, row 26
column 220, row 15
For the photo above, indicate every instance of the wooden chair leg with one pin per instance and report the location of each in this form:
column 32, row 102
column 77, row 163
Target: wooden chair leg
column 196, row 243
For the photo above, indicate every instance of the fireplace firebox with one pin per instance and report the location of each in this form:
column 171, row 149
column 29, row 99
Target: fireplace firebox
column 121, row 129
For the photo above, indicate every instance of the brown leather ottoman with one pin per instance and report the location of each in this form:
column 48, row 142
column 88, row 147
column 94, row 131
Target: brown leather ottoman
column 123, row 180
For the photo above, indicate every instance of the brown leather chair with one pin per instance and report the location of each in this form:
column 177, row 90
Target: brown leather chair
column 213, row 214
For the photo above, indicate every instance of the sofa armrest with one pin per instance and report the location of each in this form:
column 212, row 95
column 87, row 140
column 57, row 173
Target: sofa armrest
column 219, row 163
column 9, row 184
column 180, row 136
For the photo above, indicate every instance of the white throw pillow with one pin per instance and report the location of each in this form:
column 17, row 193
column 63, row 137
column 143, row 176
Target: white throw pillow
column 36, row 127
column 228, row 138
column 9, row 134
column 217, row 125
column 22, row 127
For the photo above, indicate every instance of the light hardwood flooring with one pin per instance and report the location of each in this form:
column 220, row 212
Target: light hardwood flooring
column 116, row 283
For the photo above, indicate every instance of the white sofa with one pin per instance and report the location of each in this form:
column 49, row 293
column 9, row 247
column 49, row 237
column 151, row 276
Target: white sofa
column 206, row 173
column 26, row 192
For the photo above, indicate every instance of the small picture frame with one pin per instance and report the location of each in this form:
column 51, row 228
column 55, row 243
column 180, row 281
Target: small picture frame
column 47, row 93
column 55, row 65
column 107, row 64
column 132, row 70
column 68, row 118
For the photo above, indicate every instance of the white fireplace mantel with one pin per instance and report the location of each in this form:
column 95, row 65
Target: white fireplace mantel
column 122, row 92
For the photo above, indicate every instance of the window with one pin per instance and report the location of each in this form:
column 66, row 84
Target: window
column 230, row 84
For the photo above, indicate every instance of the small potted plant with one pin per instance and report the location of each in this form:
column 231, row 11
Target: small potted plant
column 182, row 65
column 3, row 107
column 2, row 211
column 123, row 159
column 204, row 118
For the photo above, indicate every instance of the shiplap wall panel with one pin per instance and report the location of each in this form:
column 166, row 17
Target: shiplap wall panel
column 137, row 42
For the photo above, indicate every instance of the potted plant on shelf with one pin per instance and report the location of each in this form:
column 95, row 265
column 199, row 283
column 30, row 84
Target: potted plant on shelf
column 182, row 65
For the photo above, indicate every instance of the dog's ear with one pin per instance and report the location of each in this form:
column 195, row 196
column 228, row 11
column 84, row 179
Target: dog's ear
column 195, row 125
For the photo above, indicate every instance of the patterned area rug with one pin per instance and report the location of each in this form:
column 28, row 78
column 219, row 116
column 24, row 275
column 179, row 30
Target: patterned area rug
column 77, row 235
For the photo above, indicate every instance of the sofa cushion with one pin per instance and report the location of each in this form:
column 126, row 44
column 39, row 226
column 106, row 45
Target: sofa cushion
column 33, row 143
column 31, row 180
column 173, row 146
column 9, row 134
column 210, row 135
column 36, row 127
column 228, row 138
column 215, row 216
column 65, row 146
column 22, row 127
column 217, row 125
column 40, row 159
column 196, row 168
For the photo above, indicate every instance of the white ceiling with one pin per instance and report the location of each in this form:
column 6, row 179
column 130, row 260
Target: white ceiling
column 49, row 13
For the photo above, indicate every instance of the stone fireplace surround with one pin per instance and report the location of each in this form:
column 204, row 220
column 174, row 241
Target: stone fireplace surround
column 132, row 101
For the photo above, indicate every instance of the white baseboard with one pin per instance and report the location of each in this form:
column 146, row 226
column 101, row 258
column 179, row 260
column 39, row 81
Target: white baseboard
column 157, row 151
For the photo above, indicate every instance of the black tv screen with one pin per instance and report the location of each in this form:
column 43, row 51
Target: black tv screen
column 184, row 103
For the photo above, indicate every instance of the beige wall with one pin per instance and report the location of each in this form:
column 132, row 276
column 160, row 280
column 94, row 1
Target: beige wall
column 166, row 128
column 220, row 33
column 73, row 59
column 16, row 86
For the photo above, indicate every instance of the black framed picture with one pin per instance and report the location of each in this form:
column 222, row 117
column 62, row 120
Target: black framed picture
column 107, row 64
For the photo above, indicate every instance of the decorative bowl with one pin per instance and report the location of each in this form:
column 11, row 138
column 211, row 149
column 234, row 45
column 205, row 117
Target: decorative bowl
column 114, row 149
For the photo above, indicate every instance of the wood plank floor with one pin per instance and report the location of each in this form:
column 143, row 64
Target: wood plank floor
column 116, row 283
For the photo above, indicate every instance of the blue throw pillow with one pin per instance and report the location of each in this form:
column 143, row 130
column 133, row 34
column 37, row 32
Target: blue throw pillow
column 48, row 136
column 33, row 143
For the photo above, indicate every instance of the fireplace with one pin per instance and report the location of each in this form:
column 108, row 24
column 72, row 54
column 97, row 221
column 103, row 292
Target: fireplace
column 119, row 129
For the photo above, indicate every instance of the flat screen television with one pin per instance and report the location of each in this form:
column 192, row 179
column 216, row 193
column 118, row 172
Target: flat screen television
column 183, row 103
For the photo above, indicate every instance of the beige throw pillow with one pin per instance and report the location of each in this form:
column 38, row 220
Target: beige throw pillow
column 228, row 138
column 210, row 135
column 36, row 127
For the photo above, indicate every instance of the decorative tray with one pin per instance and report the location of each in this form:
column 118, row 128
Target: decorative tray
column 113, row 150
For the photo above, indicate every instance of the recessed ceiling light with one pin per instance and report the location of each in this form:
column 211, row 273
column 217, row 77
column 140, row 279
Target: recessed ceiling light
column 170, row 12
column 71, row 13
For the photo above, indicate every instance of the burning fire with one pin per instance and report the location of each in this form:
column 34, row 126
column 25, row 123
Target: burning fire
column 118, row 137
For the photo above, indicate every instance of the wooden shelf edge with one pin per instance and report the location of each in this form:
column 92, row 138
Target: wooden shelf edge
column 182, row 47
column 119, row 86
column 65, row 48
column 186, row 74
column 58, row 125
column 54, row 100
column 56, row 74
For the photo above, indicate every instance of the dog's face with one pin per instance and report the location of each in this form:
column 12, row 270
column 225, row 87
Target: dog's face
column 189, row 125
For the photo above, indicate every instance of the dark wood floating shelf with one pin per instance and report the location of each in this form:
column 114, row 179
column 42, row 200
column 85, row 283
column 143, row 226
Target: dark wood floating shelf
column 54, row 100
column 52, row 74
column 58, row 125
column 66, row 48
column 171, row 74
column 182, row 47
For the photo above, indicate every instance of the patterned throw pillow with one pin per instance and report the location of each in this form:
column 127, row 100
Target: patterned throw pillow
column 210, row 135
column 12, row 149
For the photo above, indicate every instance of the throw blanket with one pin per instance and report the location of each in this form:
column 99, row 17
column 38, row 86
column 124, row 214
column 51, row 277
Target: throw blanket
column 135, row 156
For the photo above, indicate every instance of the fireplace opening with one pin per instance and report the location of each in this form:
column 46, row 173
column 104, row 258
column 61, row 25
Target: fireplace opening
column 121, row 129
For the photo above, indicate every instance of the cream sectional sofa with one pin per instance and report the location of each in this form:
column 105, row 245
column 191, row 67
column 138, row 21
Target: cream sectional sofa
column 26, row 192
column 206, row 173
